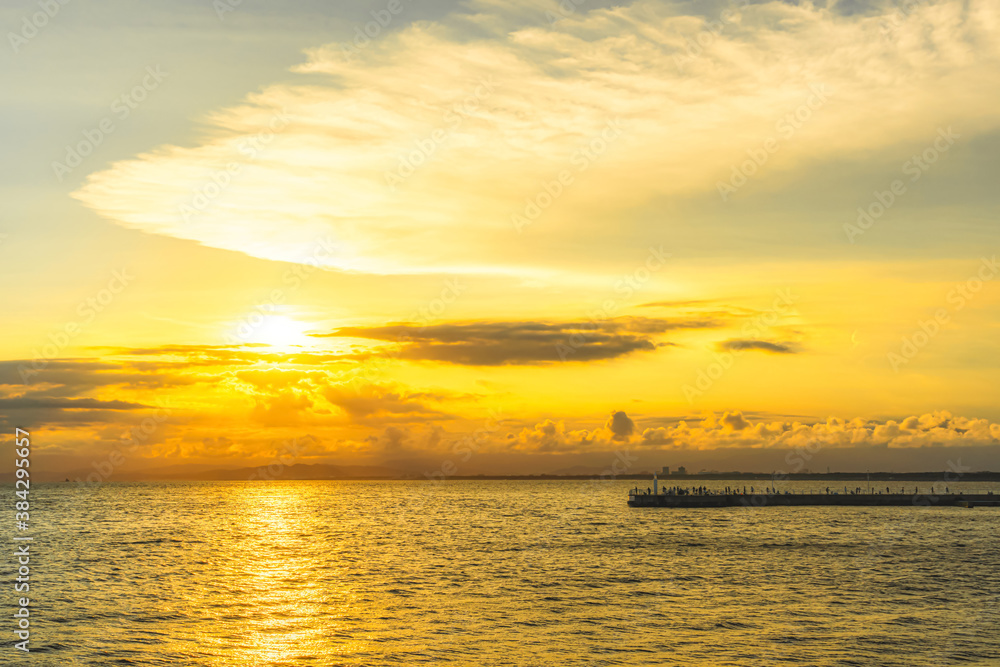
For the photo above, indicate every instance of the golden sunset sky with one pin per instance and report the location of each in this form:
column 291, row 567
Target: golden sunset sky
column 513, row 236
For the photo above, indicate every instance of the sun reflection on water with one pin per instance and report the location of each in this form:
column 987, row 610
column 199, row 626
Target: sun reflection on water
column 289, row 611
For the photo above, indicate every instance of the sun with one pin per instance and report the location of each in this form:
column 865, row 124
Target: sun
column 281, row 331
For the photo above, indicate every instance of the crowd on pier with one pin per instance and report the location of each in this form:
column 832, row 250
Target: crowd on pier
column 701, row 491
column 736, row 491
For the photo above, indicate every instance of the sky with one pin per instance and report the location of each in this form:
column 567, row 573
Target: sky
column 500, row 237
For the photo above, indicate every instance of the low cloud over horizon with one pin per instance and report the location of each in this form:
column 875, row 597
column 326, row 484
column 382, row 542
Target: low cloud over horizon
column 351, row 417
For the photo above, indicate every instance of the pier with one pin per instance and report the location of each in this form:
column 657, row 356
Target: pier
column 637, row 498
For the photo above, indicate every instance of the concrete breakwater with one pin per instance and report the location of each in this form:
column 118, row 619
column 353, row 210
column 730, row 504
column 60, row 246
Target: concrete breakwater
column 642, row 499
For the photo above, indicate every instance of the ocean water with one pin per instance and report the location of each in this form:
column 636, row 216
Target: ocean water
column 496, row 573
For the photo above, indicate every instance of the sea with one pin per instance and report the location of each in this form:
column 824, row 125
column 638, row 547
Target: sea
column 548, row 572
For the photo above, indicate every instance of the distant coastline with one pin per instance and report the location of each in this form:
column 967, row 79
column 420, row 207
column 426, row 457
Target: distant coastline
column 319, row 472
column 985, row 476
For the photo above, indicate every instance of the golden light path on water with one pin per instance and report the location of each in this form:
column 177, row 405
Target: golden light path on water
column 278, row 588
column 500, row 573
column 274, row 553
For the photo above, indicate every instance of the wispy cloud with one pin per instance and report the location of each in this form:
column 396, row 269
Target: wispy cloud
column 524, row 342
column 761, row 345
column 41, row 403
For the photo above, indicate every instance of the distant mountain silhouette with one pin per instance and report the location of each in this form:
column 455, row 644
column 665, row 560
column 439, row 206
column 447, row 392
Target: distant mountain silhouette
column 296, row 471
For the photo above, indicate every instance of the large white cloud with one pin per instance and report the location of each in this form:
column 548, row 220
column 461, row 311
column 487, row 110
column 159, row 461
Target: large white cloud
column 492, row 118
